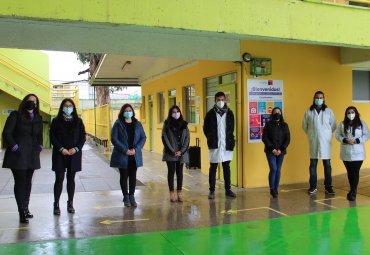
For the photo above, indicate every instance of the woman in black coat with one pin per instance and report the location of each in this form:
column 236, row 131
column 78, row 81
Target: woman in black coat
column 23, row 141
column 67, row 135
column 276, row 137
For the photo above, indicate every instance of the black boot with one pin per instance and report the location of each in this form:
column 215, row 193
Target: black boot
column 56, row 209
column 70, row 208
column 132, row 201
column 351, row 196
column 29, row 215
column 22, row 216
column 273, row 193
column 126, row 200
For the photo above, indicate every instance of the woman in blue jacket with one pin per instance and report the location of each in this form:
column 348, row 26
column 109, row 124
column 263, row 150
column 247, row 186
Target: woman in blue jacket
column 128, row 138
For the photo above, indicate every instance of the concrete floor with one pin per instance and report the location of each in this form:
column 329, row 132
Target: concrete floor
column 100, row 211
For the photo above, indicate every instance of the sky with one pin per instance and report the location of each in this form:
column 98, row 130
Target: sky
column 64, row 67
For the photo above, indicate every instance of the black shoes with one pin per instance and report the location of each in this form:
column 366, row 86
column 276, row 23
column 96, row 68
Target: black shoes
column 329, row 190
column 351, row 196
column 274, row 193
column 23, row 217
column 126, row 200
column 70, row 208
column 29, row 215
column 132, row 201
column 229, row 193
column 211, row 195
column 56, row 210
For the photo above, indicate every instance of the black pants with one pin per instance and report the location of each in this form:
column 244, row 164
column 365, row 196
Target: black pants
column 174, row 167
column 22, row 187
column 130, row 174
column 313, row 173
column 212, row 175
column 58, row 185
column 353, row 173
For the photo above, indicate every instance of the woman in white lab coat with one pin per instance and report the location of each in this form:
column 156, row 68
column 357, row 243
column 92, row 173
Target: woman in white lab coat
column 319, row 124
column 352, row 133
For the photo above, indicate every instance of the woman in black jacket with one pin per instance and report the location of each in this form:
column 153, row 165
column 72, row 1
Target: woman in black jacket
column 67, row 135
column 23, row 141
column 276, row 137
column 175, row 138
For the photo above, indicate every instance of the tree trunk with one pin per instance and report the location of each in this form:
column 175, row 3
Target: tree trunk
column 102, row 95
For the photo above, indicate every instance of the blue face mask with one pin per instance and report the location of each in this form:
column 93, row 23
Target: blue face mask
column 319, row 101
column 128, row 115
column 68, row 110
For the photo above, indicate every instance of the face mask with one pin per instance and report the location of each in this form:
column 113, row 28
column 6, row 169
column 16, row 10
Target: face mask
column 319, row 101
column 276, row 116
column 176, row 115
column 128, row 115
column 351, row 116
column 220, row 104
column 68, row 110
column 30, row 105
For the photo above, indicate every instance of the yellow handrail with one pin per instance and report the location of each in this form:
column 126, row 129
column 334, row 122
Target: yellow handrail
column 21, row 87
column 20, row 71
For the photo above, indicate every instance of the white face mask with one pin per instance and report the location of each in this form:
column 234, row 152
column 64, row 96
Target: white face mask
column 176, row 115
column 220, row 104
column 351, row 116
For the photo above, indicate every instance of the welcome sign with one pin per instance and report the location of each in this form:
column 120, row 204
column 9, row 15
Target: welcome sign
column 263, row 96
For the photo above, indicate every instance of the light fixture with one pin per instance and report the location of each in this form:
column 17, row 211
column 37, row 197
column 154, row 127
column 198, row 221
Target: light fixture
column 247, row 57
column 125, row 65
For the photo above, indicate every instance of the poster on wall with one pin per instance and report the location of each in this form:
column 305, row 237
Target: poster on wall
column 263, row 96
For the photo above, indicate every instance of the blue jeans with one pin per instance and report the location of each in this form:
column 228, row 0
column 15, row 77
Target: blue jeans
column 313, row 172
column 275, row 163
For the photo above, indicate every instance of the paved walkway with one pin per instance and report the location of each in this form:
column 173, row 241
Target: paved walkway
column 100, row 211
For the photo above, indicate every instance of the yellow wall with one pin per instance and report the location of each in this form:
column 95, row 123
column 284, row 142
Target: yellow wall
column 191, row 76
column 304, row 70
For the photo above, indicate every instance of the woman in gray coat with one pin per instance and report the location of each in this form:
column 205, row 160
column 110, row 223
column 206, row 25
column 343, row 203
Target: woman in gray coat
column 175, row 138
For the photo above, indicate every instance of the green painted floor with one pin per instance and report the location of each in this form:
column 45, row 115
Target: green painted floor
column 342, row 231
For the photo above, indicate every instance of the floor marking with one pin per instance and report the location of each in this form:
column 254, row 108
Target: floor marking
column 185, row 189
column 147, row 169
column 365, row 176
column 251, row 209
column 109, row 222
column 188, row 175
column 289, row 190
column 100, row 207
column 161, row 176
column 322, row 203
column 332, row 198
column 20, row 228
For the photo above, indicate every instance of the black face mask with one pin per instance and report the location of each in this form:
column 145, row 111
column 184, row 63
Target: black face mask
column 30, row 105
column 276, row 116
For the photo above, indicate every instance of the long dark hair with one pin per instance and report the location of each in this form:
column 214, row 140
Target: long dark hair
column 74, row 113
column 356, row 122
column 281, row 116
column 323, row 106
column 173, row 122
column 122, row 111
column 23, row 111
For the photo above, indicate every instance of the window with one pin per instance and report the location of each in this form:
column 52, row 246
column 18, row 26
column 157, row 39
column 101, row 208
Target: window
column 189, row 104
column 212, row 87
column 143, row 108
column 161, row 105
column 361, row 85
column 171, row 98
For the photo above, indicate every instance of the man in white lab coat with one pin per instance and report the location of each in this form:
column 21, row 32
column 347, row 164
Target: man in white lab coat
column 319, row 125
column 219, row 130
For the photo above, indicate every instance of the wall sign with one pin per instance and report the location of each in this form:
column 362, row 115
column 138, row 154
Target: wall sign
column 263, row 96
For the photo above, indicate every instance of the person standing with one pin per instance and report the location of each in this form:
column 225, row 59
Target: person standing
column 352, row 133
column 319, row 124
column 276, row 137
column 175, row 138
column 68, row 136
column 219, row 131
column 23, row 139
column 128, row 138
